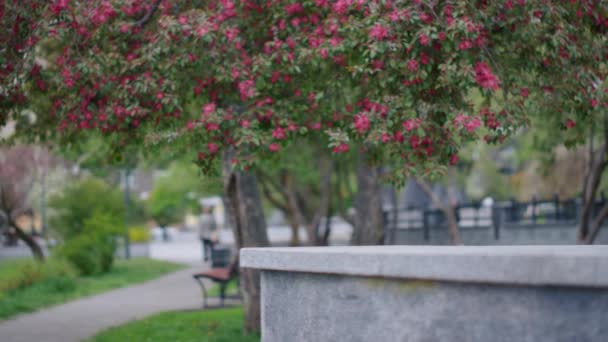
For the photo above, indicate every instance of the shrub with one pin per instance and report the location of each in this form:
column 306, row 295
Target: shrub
column 92, row 251
column 55, row 273
column 139, row 234
column 79, row 202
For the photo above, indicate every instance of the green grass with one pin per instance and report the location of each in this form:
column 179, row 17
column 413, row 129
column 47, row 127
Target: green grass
column 231, row 290
column 47, row 293
column 221, row 325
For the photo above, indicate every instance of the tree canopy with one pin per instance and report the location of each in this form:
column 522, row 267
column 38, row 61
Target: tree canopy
column 392, row 76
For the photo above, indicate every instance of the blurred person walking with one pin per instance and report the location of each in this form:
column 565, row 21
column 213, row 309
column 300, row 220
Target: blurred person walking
column 207, row 231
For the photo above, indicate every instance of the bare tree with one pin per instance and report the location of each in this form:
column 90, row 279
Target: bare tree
column 303, row 204
column 20, row 167
column 446, row 208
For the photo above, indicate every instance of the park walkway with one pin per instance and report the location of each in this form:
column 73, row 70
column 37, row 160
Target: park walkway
column 77, row 320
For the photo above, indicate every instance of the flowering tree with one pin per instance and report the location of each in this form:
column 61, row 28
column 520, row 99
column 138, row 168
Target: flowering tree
column 392, row 78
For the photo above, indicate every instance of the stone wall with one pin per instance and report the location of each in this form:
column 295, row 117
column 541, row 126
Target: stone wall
column 435, row 294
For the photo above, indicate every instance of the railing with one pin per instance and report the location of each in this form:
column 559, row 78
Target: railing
column 498, row 216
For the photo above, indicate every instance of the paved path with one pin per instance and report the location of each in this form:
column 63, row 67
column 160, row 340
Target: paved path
column 77, row 320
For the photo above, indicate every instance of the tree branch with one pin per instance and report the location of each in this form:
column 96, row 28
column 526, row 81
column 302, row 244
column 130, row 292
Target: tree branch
column 597, row 224
column 269, row 196
column 447, row 210
column 141, row 22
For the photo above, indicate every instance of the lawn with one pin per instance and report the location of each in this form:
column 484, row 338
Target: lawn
column 46, row 293
column 218, row 325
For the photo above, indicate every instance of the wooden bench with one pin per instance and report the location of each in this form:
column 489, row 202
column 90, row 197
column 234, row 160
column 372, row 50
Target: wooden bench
column 221, row 276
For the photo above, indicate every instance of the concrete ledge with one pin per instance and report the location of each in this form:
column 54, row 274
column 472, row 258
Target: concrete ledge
column 584, row 266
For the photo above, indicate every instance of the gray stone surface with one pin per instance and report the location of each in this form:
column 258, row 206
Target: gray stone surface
column 585, row 266
column 323, row 307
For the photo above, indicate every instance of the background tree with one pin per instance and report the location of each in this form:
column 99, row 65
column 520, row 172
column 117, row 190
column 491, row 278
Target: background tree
column 300, row 182
column 19, row 168
column 177, row 192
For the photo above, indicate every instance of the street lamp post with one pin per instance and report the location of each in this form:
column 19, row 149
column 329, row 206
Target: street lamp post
column 127, row 204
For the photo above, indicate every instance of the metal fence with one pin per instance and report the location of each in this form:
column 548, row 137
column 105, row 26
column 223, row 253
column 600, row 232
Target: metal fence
column 429, row 225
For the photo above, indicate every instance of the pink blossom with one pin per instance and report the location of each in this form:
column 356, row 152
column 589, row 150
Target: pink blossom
column 124, row 28
column 335, row 41
column 424, row 39
column 209, row 108
column 212, row 126
column 59, row 5
column 362, row 123
column 460, row 119
column 103, row 13
column 425, row 17
column 570, row 123
column 212, row 148
column 311, row 96
column 377, row 64
column 247, row 89
column 424, row 58
column 341, row 6
column 414, row 141
column 593, row 103
column 202, row 30
column 235, row 73
column 484, row 76
column 385, row 137
column 279, row 133
column 274, row 78
column 398, row 137
column 378, row 32
column 453, row 159
column 342, row 148
column 292, row 9
column 245, row 124
column 231, row 33
column 394, row 15
column 323, row 53
column 274, row 147
column 412, row 65
column 465, row 44
column 472, row 124
column 411, row 124
column 524, row 92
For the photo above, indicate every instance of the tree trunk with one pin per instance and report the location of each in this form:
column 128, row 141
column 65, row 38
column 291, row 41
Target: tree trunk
column 447, row 210
column 29, row 241
column 295, row 229
column 394, row 216
column 293, row 214
column 596, row 166
column 369, row 222
column 249, row 227
column 326, row 167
